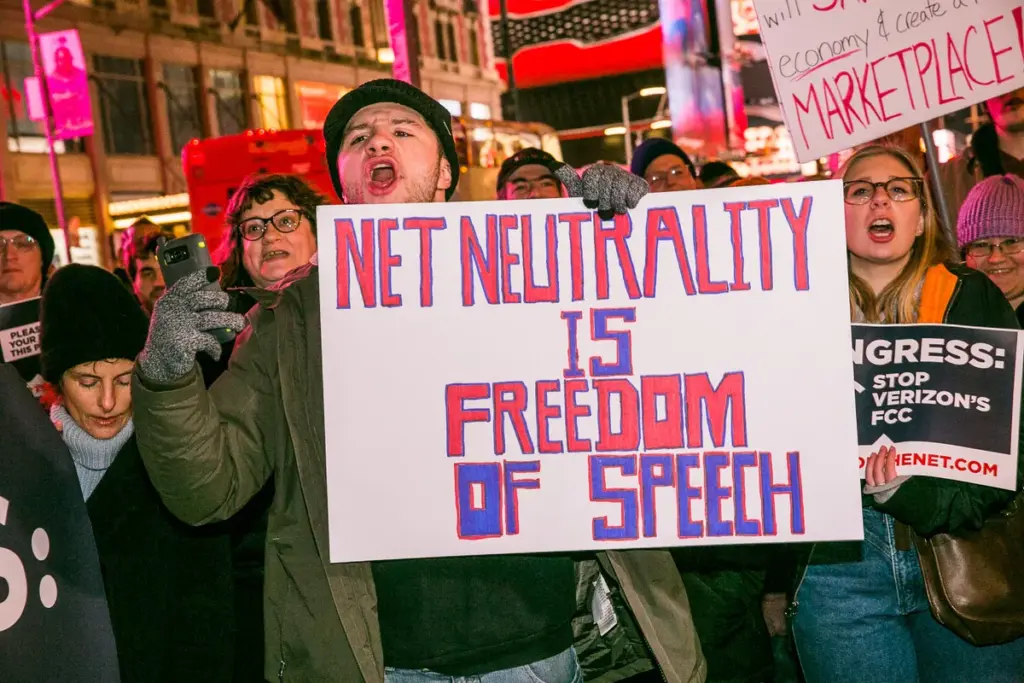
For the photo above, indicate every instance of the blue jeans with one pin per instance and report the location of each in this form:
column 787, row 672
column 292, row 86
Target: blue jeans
column 562, row 668
column 867, row 621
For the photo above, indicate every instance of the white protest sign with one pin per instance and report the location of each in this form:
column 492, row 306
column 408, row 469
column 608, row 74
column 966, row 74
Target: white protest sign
column 515, row 377
column 850, row 71
column 947, row 397
column 20, row 342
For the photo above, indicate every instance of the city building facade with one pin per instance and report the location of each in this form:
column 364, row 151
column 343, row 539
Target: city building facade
column 164, row 72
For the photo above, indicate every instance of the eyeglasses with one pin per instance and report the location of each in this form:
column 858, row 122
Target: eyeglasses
column 286, row 220
column 521, row 187
column 659, row 179
column 21, row 243
column 897, row 189
column 1013, row 245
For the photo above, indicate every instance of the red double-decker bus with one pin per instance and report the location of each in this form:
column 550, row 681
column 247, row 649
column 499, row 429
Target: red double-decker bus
column 214, row 169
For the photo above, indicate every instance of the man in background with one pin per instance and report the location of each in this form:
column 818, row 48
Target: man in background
column 139, row 266
column 997, row 148
column 26, row 251
column 530, row 174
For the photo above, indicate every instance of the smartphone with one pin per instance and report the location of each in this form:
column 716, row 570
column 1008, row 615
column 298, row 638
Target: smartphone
column 183, row 256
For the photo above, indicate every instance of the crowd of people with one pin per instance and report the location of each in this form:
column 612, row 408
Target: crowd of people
column 203, row 464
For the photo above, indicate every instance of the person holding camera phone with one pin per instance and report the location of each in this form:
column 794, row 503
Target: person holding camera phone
column 498, row 619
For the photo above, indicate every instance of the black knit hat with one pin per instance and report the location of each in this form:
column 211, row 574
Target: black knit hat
column 527, row 157
column 18, row 217
column 396, row 92
column 653, row 148
column 87, row 315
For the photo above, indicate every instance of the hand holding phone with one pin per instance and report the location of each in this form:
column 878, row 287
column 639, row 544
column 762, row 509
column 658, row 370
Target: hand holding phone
column 183, row 256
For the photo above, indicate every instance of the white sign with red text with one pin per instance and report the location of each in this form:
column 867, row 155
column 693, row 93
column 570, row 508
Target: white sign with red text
column 523, row 376
column 850, row 71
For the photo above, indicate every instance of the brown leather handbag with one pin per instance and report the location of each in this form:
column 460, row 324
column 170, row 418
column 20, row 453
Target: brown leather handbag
column 975, row 580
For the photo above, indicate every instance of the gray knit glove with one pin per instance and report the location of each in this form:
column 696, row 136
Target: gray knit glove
column 604, row 187
column 178, row 328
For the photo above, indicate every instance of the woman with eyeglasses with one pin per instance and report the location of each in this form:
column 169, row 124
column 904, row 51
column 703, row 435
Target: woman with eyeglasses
column 271, row 232
column 990, row 230
column 860, row 613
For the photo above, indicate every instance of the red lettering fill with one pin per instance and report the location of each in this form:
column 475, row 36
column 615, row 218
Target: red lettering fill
column 705, row 285
column 349, row 253
column 508, row 259
column 455, row 396
column 532, row 293
column 667, row 433
column 764, row 229
column 735, row 210
column 575, row 221
column 995, row 52
column 387, row 261
column 727, row 398
column 798, row 223
column 510, row 399
column 663, row 224
column 473, row 255
column 617, row 234
column 628, row 436
column 425, row 225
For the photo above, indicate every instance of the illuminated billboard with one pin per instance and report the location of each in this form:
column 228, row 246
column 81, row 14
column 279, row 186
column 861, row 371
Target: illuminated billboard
column 557, row 41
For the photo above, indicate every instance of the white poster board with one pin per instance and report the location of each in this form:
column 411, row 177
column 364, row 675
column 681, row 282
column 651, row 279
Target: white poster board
column 515, row 377
column 850, row 71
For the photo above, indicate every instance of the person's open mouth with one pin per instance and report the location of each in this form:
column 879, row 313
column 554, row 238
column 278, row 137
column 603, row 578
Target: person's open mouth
column 382, row 175
column 275, row 255
column 881, row 231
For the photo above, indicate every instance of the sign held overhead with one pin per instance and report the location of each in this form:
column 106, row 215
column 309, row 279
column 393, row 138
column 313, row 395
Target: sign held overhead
column 851, row 71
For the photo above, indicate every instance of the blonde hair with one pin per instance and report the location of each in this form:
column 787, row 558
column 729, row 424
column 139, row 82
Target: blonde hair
column 898, row 302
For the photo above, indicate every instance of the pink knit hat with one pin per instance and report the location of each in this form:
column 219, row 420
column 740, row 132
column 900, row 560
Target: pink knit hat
column 993, row 208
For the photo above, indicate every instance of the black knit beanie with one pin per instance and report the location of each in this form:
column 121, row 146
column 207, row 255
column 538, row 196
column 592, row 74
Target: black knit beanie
column 653, row 148
column 530, row 156
column 87, row 315
column 395, row 92
column 17, row 217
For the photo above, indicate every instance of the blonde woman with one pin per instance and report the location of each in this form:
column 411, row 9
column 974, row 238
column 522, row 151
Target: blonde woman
column 860, row 611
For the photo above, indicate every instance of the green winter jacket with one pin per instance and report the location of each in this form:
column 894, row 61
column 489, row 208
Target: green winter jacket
column 208, row 452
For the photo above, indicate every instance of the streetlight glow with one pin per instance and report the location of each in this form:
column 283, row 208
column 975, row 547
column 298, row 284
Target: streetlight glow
column 661, row 123
column 615, row 130
column 650, row 92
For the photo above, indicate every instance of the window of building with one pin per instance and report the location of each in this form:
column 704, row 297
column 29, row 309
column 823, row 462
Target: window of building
column 124, row 106
column 182, row 93
column 273, row 102
column 230, row 99
column 479, row 110
column 323, row 18
column 355, row 18
column 474, row 47
column 453, row 44
column 24, row 135
column 454, row 107
column 208, row 9
column 252, row 14
column 442, row 52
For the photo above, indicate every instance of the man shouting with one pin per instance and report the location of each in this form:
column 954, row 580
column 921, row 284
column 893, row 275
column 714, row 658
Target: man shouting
column 499, row 619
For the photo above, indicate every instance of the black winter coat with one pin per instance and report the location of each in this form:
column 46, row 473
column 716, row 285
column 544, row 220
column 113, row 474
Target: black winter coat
column 168, row 585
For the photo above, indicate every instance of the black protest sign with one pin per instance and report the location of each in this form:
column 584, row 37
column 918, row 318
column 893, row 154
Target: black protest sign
column 54, row 622
column 19, row 337
column 948, row 398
